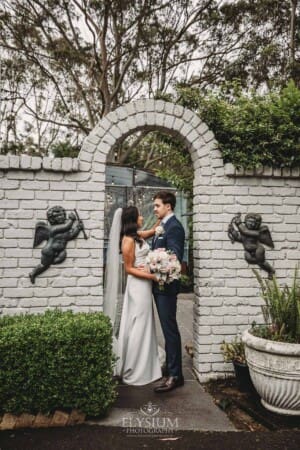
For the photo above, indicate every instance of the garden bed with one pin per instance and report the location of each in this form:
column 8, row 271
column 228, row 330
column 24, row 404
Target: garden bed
column 245, row 410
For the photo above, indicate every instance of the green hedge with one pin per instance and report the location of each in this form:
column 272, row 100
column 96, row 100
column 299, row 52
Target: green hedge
column 56, row 360
column 251, row 129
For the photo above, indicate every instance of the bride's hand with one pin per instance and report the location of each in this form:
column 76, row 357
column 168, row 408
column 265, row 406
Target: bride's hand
column 158, row 222
column 142, row 268
column 147, row 270
column 154, row 278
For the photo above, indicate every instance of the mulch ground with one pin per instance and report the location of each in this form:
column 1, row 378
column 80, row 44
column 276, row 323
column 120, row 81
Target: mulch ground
column 245, row 410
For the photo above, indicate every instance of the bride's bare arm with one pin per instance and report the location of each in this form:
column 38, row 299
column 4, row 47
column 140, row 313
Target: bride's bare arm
column 128, row 248
column 146, row 234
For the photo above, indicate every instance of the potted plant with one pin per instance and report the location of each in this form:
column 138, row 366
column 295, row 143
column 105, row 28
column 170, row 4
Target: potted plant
column 234, row 352
column 273, row 349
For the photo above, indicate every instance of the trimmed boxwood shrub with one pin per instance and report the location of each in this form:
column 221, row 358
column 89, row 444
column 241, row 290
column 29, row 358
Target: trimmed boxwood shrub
column 56, row 360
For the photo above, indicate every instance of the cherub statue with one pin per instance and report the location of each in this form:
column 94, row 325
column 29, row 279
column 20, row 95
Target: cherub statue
column 57, row 235
column 252, row 234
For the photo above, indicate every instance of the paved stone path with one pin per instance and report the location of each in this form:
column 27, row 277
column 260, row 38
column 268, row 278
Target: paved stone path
column 186, row 408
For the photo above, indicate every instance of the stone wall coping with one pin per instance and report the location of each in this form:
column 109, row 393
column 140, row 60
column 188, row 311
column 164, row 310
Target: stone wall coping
column 53, row 164
column 35, row 163
column 263, row 171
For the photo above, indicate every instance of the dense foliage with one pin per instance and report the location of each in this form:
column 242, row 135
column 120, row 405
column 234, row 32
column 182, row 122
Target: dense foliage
column 252, row 130
column 268, row 50
column 56, row 360
column 166, row 156
column 281, row 310
column 65, row 64
column 234, row 351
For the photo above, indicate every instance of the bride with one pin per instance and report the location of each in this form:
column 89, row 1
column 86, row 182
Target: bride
column 134, row 337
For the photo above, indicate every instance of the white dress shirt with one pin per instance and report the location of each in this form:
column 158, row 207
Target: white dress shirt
column 166, row 218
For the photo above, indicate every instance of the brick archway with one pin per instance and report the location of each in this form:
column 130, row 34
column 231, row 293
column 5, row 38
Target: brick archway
column 169, row 118
column 227, row 297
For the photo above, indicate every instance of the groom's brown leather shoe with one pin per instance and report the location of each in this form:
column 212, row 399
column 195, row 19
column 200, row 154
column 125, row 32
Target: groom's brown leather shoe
column 170, row 384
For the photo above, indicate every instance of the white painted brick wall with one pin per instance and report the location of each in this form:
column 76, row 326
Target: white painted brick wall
column 27, row 197
column 226, row 292
column 238, row 300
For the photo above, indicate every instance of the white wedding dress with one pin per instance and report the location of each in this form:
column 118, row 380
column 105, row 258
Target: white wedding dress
column 136, row 346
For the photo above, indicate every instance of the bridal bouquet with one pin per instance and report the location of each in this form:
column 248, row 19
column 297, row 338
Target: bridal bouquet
column 164, row 264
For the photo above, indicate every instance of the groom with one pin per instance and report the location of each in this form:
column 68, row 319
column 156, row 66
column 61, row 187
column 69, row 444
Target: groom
column 171, row 238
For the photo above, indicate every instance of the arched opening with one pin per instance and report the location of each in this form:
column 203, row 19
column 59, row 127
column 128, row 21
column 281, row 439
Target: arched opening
column 184, row 125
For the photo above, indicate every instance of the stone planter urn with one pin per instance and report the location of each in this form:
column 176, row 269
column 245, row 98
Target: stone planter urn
column 275, row 372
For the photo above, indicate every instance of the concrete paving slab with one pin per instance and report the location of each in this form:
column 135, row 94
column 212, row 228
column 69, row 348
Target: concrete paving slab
column 186, row 408
column 189, row 407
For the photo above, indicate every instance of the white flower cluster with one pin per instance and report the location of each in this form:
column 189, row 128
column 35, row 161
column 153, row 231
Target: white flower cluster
column 159, row 230
column 164, row 264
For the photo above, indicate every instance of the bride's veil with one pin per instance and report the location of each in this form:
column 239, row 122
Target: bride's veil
column 112, row 302
column 113, row 297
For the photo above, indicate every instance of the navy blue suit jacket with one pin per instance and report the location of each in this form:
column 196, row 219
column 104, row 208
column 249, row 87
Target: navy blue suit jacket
column 172, row 239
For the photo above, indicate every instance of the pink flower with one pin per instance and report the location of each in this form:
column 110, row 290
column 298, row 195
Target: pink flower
column 164, row 264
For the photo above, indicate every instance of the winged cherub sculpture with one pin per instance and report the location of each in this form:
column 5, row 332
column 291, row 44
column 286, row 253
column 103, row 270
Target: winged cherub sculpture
column 252, row 235
column 57, row 234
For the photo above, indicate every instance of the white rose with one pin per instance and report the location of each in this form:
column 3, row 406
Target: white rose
column 159, row 230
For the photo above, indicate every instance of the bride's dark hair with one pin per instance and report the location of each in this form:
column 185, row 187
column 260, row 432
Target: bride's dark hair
column 129, row 225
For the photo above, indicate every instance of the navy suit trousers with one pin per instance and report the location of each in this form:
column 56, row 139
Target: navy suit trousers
column 166, row 307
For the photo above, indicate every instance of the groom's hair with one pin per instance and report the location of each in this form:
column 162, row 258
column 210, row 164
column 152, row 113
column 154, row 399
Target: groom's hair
column 167, row 197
